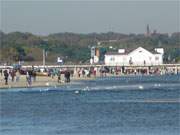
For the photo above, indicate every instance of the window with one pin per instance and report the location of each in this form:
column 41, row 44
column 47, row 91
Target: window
column 156, row 58
column 112, row 59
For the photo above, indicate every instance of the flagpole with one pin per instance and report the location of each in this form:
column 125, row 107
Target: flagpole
column 44, row 59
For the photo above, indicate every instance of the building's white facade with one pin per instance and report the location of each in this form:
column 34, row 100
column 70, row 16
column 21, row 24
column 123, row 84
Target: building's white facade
column 139, row 57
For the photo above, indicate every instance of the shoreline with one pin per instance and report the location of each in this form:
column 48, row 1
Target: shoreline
column 41, row 81
column 45, row 81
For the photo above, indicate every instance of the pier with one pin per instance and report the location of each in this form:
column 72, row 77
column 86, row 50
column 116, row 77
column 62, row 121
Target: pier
column 173, row 66
column 127, row 69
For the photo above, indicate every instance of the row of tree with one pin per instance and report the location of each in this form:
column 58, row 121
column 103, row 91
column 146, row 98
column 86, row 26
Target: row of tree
column 75, row 48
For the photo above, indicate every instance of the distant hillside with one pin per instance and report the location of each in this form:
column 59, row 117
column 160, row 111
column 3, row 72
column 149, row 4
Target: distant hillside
column 75, row 48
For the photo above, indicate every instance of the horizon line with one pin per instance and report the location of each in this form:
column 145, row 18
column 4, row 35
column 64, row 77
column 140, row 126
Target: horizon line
column 87, row 33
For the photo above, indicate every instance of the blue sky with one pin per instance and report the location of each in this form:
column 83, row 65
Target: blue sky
column 45, row 17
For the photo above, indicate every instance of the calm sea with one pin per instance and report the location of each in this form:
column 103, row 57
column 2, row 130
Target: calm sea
column 143, row 105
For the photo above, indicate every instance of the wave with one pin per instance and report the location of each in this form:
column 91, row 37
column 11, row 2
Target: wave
column 137, row 101
column 86, row 87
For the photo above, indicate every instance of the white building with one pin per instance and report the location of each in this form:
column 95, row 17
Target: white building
column 139, row 57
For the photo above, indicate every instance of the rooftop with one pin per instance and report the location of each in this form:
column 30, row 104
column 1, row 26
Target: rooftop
column 128, row 51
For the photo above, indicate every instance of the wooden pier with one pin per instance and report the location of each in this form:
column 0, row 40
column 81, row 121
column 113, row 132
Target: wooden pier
column 172, row 66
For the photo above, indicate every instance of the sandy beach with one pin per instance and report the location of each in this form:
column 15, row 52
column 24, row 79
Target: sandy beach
column 41, row 81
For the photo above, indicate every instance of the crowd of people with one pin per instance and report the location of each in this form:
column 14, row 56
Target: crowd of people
column 85, row 72
column 14, row 75
column 64, row 75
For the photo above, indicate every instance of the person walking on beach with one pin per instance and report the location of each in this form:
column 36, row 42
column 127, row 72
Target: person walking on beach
column 6, row 75
column 79, row 73
column 83, row 72
column 1, row 72
column 29, row 77
column 67, row 76
column 13, row 74
column 17, row 75
column 53, row 73
column 34, row 75
column 59, row 76
column 94, row 72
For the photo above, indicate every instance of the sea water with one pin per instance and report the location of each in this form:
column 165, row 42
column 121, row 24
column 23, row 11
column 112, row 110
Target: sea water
column 131, row 105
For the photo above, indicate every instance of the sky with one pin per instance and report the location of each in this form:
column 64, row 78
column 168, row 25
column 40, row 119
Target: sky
column 45, row 17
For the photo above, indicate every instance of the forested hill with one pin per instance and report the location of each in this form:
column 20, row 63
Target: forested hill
column 75, row 48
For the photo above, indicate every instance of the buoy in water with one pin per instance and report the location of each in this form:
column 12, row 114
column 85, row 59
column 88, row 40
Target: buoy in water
column 141, row 87
column 76, row 92
column 86, row 89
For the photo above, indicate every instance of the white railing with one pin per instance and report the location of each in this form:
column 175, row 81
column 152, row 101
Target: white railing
column 98, row 65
